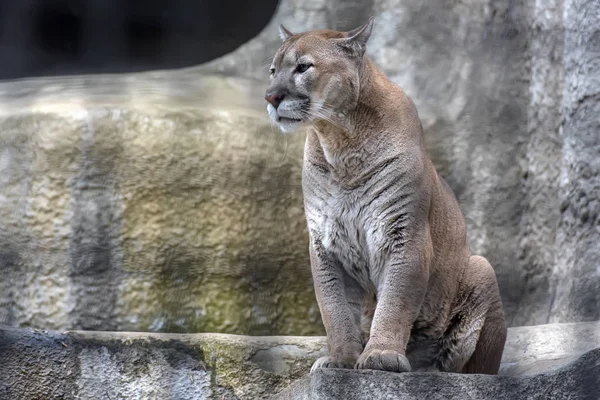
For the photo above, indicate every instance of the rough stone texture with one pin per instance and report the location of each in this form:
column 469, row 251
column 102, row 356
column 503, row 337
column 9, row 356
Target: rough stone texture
column 543, row 159
column 534, row 349
column 577, row 380
column 577, row 266
column 508, row 95
column 126, row 365
column 104, row 365
column 150, row 215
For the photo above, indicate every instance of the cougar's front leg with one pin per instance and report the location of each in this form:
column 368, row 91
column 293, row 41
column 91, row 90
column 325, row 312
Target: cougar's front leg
column 338, row 299
column 400, row 295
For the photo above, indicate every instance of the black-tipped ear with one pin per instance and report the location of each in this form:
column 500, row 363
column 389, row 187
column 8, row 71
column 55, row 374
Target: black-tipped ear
column 357, row 38
column 284, row 33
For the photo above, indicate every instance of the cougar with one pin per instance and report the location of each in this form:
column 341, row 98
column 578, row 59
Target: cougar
column 397, row 286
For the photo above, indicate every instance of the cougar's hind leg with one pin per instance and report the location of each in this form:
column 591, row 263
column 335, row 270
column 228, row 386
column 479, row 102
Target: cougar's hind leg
column 488, row 352
column 474, row 340
column 490, row 346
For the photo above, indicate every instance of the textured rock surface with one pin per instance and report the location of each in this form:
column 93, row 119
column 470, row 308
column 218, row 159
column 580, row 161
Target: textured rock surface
column 126, row 365
column 103, row 365
column 534, row 349
column 577, row 261
column 153, row 216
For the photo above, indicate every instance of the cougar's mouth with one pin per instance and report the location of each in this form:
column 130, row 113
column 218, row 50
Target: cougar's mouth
column 288, row 120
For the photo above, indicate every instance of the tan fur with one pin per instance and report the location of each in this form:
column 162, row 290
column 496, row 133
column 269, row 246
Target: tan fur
column 396, row 283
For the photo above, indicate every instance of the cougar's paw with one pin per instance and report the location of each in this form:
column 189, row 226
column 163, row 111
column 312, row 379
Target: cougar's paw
column 331, row 362
column 384, row 360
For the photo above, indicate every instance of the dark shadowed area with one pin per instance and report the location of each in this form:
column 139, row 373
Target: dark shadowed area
column 64, row 37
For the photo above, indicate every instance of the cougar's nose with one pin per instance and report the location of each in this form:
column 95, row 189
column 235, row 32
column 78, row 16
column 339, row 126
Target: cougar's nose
column 275, row 98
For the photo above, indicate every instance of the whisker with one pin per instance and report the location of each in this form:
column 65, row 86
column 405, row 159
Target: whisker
column 323, row 111
column 328, row 109
column 285, row 148
column 267, row 62
column 323, row 116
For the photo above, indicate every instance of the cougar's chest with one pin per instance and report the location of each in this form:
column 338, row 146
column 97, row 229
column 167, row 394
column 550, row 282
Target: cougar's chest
column 346, row 229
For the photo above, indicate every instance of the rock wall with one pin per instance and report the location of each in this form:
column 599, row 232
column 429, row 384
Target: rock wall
column 576, row 271
column 165, row 201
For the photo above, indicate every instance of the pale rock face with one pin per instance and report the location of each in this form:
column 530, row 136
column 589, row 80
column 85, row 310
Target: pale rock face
column 153, row 217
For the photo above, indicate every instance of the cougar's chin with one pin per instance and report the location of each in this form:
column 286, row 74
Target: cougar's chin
column 285, row 124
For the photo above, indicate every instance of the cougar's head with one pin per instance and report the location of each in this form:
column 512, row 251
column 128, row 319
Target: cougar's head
column 315, row 75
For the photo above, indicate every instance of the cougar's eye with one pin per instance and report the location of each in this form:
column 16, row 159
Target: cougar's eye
column 302, row 68
column 272, row 71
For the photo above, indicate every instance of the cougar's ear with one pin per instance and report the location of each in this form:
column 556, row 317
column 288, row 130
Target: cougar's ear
column 357, row 39
column 284, row 33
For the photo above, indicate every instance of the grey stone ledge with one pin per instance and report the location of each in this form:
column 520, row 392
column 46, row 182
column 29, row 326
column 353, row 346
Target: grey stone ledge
column 555, row 360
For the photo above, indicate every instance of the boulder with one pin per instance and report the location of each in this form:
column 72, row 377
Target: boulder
column 539, row 360
column 150, row 212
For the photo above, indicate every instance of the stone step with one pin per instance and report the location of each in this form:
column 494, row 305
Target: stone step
column 579, row 379
column 132, row 365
